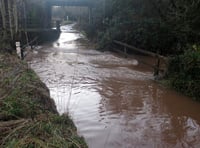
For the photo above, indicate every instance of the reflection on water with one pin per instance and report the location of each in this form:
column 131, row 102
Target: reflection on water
column 113, row 101
column 67, row 38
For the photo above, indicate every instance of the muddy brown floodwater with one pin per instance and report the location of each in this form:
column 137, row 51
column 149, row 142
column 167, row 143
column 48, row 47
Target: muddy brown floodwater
column 113, row 101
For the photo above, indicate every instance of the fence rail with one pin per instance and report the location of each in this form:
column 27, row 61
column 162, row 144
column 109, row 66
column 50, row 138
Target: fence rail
column 158, row 57
column 139, row 50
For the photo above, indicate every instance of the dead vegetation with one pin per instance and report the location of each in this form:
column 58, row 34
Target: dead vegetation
column 28, row 116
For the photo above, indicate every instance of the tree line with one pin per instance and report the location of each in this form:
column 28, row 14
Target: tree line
column 166, row 25
column 16, row 16
column 170, row 27
column 9, row 17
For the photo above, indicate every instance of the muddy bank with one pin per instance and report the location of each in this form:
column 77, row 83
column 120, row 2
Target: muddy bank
column 28, row 116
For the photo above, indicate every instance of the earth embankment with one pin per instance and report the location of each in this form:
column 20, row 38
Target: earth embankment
column 28, row 116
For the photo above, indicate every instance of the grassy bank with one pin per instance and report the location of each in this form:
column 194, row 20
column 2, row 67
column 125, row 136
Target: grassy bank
column 28, row 116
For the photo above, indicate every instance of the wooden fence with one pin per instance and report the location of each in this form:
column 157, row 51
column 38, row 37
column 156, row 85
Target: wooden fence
column 157, row 66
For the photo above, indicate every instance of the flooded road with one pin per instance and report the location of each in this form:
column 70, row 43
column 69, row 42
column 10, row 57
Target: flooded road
column 113, row 101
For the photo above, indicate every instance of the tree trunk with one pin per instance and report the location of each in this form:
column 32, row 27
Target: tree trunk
column 3, row 16
column 10, row 13
column 15, row 15
column 10, row 20
column 3, row 13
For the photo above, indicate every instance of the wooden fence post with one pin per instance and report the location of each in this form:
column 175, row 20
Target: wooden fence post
column 18, row 49
column 157, row 65
column 125, row 51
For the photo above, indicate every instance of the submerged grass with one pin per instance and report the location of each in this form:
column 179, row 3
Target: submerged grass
column 28, row 116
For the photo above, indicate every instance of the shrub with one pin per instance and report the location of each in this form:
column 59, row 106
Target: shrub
column 184, row 72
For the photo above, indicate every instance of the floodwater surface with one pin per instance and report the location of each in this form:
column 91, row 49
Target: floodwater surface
column 113, row 101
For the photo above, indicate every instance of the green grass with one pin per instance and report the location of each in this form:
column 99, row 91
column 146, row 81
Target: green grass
column 46, row 131
column 28, row 116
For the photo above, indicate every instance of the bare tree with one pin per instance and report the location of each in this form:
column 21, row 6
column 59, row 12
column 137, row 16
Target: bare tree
column 9, row 12
column 3, row 17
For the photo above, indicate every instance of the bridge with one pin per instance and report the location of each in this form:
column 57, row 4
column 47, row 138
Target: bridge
column 79, row 3
column 84, row 3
